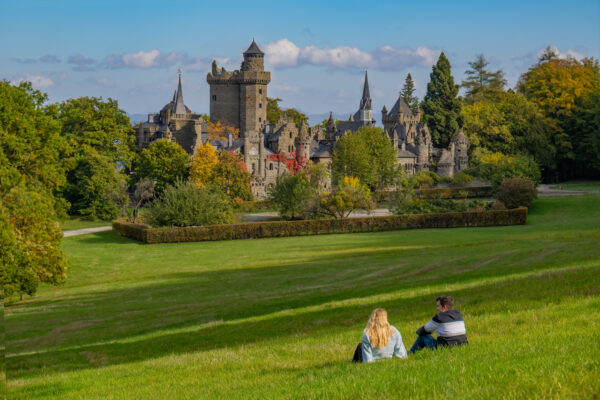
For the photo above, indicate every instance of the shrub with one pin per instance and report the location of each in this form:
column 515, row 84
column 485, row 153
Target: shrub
column 184, row 204
column 516, row 192
column 350, row 195
column 291, row 194
column 462, row 179
column 425, row 179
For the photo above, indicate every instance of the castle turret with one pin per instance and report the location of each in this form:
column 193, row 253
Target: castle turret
column 239, row 98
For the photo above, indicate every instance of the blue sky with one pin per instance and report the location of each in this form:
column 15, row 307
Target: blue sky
column 317, row 51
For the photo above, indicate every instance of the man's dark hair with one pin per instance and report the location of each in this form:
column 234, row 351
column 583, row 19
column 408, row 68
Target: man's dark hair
column 446, row 301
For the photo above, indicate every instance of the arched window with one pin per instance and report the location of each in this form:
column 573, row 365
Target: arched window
column 271, row 166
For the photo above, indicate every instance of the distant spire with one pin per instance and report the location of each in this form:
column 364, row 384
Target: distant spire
column 365, row 102
column 179, row 106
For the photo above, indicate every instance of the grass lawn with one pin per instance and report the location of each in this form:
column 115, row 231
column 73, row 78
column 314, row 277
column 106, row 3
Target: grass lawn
column 77, row 223
column 586, row 186
column 280, row 318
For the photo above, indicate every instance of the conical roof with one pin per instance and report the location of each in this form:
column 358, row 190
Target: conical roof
column 253, row 49
column 178, row 105
column 365, row 102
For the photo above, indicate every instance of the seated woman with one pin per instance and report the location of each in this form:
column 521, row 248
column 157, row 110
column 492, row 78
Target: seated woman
column 379, row 340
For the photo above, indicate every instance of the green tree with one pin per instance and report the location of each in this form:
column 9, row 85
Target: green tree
column 31, row 236
column 367, row 154
column 292, row 194
column 441, row 106
column 163, row 162
column 562, row 89
column 408, row 93
column 480, row 81
column 231, row 176
column 102, row 125
column 30, row 144
column 509, row 124
column 31, row 175
column 274, row 112
column 94, row 187
column 350, row 195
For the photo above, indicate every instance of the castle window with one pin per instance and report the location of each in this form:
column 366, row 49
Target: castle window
column 259, row 105
column 290, row 135
column 253, row 167
column 259, row 119
column 259, row 91
column 214, row 97
column 271, row 166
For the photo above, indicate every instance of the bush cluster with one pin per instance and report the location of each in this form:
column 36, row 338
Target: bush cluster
column 516, row 192
column 254, row 230
column 185, row 204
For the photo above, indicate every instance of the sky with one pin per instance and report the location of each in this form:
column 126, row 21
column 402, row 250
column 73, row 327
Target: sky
column 317, row 51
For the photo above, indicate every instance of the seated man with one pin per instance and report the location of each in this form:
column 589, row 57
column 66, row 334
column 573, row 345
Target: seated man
column 448, row 323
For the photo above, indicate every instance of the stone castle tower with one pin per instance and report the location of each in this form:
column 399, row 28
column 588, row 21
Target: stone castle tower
column 239, row 98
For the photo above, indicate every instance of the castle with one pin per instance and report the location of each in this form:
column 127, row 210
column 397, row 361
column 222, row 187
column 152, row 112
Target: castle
column 239, row 99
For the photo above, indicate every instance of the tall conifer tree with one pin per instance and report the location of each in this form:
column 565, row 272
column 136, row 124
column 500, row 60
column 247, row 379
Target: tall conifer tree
column 480, row 81
column 441, row 107
column 407, row 93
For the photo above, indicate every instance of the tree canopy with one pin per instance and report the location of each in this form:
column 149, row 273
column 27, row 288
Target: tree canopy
column 566, row 91
column 164, row 162
column 367, row 154
column 441, row 107
column 481, row 81
column 274, row 112
column 102, row 125
column 31, row 177
column 408, row 93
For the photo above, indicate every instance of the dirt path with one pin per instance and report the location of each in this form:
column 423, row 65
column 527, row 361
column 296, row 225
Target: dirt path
column 76, row 232
column 273, row 216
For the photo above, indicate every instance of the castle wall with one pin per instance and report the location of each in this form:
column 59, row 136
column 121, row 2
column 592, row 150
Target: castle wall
column 253, row 107
column 225, row 104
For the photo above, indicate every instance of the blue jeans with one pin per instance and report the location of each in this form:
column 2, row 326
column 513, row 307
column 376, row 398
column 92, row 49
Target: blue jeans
column 422, row 342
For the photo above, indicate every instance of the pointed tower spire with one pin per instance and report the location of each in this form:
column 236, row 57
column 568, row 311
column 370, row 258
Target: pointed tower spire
column 365, row 102
column 178, row 105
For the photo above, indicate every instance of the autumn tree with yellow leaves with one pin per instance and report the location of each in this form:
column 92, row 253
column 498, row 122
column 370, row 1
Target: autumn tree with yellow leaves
column 203, row 163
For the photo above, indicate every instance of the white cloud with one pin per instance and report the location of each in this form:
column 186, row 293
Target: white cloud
column 341, row 56
column 38, row 81
column 283, row 53
column 141, row 59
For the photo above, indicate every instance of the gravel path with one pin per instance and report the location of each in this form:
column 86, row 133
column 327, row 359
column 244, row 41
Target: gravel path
column 76, row 232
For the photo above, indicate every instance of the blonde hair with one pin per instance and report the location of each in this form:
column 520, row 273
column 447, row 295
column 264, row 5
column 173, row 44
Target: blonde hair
column 378, row 328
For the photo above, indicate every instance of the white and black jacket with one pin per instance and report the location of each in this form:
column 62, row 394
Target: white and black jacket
column 449, row 326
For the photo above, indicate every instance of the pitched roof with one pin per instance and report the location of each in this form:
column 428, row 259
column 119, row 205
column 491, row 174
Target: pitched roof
column 178, row 106
column 253, row 49
column 365, row 102
column 401, row 105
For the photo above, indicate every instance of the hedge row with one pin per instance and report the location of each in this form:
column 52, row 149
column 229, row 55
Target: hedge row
column 254, row 230
column 442, row 193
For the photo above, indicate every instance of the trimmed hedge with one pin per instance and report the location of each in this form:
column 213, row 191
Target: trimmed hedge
column 443, row 193
column 254, row 230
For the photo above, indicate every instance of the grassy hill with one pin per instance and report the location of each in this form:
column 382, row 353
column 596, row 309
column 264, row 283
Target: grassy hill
column 279, row 318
